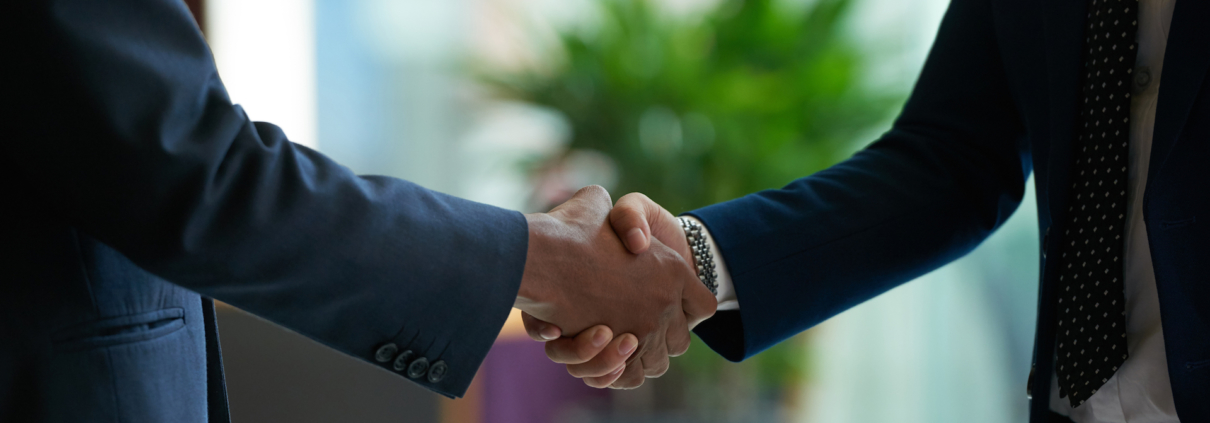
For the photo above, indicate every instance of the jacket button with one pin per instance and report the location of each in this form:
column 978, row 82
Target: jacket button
column 437, row 371
column 386, row 352
column 401, row 362
column 418, row 368
column 1029, row 384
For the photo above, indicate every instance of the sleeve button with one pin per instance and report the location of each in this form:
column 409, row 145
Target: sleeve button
column 418, row 368
column 437, row 371
column 386, row 352
column 401, row 362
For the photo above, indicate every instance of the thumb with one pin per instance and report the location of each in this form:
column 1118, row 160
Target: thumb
column 630, row 219
column 590, row 201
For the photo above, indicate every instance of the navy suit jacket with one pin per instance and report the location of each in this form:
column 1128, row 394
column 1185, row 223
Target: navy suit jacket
column 996, row 100
column 134, row 190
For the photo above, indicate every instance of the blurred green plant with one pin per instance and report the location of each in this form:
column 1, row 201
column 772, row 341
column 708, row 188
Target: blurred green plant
column 698, row 108
column 704, row 108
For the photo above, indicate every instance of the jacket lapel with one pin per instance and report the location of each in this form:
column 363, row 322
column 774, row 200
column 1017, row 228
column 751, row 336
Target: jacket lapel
column 1186, row 62
column 1064, row 41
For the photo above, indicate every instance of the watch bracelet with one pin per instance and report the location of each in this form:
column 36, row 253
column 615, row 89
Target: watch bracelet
column 703, row 259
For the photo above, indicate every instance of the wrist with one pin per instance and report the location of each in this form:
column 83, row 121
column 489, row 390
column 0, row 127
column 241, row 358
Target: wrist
column 534, row 288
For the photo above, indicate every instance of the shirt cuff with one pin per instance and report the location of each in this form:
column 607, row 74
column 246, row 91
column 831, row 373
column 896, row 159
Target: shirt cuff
column 726, row 291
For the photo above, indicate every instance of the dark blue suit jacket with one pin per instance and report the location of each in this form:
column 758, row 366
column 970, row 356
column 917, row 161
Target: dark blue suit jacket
column 134, row 190
column 996, row 100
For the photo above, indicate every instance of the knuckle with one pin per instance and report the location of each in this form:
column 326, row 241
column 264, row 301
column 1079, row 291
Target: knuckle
column 636, row 382
column 628, row 382
column 680, row 347
column 657, row 369
column 591, row 189
column 595, row 191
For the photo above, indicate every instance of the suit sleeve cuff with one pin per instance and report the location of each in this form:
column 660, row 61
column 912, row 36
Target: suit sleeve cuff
column 724, row 332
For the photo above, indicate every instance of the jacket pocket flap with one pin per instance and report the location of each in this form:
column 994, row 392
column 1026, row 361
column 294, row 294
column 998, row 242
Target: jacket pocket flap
column 120, row 330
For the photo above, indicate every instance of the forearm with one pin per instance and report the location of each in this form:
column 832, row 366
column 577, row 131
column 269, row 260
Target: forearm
column 841, row 241
column 951, row 170
column 128, row 135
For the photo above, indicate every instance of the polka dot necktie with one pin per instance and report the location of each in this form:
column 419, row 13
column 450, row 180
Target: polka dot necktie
column 1091, row 303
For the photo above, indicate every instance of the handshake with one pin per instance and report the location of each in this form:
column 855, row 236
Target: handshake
column 594, row 270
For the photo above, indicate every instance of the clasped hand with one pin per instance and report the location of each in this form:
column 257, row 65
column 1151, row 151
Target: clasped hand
column 583, row 284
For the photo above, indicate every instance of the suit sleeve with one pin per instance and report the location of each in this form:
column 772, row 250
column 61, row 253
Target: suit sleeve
column 122, row 128
column 949, row 172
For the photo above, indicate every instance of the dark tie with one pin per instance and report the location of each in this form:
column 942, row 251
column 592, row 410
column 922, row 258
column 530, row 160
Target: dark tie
column 1091, row 303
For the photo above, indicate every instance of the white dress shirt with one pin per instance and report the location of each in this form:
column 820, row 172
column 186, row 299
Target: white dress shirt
column 1139, row 392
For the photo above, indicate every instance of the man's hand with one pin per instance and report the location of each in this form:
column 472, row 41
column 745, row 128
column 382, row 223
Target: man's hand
column 636, row 219
column 578, row 274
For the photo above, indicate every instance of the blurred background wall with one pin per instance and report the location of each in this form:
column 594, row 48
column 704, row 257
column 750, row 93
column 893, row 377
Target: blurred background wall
column 517, row 103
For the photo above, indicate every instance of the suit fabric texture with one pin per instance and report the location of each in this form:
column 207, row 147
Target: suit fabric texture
column 136, row 191
column 997, row 100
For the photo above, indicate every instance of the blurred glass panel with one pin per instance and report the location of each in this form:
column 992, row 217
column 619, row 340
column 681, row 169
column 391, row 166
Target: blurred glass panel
column 265, row 51
column 951, row 346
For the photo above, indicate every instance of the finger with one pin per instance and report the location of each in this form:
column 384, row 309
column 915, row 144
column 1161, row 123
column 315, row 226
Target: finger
column 677, row 337
column 611, row 358
column 539, row 330
column 631, row 377
column 697, row 301
column 630, row 219
column 581, row 348
column 605, row 381
column 655, row 360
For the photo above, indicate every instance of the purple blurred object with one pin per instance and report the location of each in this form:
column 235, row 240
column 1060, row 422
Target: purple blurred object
column 521, row 385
